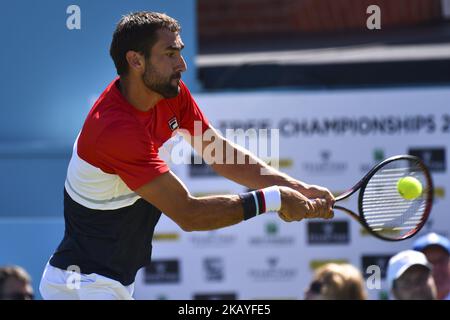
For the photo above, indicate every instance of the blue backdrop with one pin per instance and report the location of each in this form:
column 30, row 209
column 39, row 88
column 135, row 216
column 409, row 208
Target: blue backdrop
column 50, row 76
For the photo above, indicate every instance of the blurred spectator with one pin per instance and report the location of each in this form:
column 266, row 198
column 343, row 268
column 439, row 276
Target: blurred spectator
column 337, row 282
column 409, row 277
column 437, row 250
column 15, row 284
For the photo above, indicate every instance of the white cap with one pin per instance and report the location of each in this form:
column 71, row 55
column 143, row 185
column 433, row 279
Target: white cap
column 432, row 239
column 402, row 261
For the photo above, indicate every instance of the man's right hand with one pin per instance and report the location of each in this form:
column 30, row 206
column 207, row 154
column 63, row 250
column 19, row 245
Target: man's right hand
column 296, row 207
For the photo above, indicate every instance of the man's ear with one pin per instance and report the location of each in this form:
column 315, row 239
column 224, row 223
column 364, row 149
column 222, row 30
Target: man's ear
column 136, row 61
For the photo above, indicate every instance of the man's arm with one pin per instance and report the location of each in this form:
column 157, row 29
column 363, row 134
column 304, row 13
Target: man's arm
column 169, row 195
column 248, row 172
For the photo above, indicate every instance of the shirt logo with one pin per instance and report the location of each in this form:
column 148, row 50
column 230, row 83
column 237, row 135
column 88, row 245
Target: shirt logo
column 173, row 123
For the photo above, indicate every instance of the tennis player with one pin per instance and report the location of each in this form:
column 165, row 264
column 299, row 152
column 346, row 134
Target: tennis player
column 117, row 186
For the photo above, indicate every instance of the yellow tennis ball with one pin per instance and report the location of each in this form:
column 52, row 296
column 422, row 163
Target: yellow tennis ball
column 409, row 188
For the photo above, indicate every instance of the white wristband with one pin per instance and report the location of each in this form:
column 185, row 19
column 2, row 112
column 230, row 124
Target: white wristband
column 272, row 196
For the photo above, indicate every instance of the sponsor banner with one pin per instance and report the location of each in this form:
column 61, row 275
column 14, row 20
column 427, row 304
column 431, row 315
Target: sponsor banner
column 379, row 260
column 166, row 236
column 162, row 271
column 315, row 264
column 273, row 269
column 325, row 164
column 325, row 138
column 214, row 269
column 212, row 239
column 434, row 158
column 328, row 232
column 272, row 236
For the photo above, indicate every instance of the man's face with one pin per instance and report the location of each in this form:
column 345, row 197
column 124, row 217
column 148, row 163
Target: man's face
column 416, row 283
column 164, row 67
column 440, row 260
column 15, row 289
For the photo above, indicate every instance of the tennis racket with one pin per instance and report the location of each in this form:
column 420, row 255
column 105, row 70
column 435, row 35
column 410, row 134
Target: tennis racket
column 383, row 211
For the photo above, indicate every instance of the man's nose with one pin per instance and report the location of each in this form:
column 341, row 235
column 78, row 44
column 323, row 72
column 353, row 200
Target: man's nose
column 181, row 65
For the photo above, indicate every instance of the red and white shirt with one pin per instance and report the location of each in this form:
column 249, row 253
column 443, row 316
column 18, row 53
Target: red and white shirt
column 108, row 227
column 117, row 149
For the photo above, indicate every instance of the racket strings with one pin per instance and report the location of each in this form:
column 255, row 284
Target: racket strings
column 384, row 209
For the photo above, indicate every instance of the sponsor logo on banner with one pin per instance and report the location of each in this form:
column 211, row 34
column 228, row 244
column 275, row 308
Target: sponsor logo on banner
column 162, row 271
column 198, row 168
column 166, row 236
column 214, row 268
column 273, row 270
column 326, row 232
column 325, row 165
column 272, row 236
column 215, row 296
column 357, row 125
column 315, row 264
column 378, row 155
column 434, row 158
column 283, row 163
column 244, row 124
column 439, row 192
column 380, row 260
column 215, row 238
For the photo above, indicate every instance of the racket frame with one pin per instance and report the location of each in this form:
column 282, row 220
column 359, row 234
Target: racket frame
column 362, row 184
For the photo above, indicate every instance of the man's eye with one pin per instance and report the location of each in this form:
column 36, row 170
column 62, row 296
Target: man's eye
column 171, row 54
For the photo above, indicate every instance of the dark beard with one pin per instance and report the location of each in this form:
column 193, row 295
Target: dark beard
column 155, row 82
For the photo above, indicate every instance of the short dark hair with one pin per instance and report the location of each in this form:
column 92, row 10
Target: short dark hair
column 137, row 31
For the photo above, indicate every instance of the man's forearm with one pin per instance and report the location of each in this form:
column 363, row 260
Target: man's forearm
column 253, row 172
column 167, row 193
column 214, row 212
